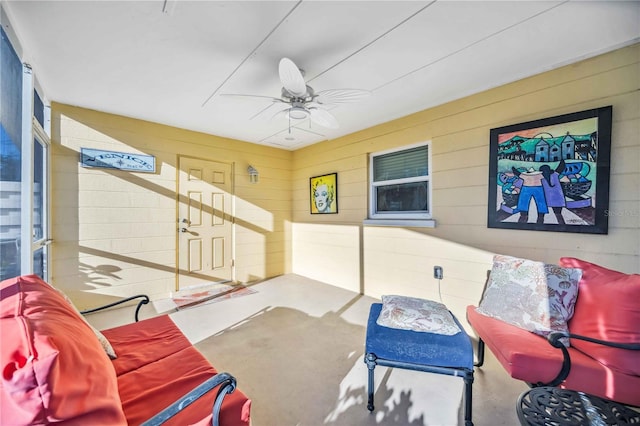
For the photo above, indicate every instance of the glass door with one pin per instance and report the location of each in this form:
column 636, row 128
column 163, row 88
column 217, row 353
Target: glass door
column 40, row 207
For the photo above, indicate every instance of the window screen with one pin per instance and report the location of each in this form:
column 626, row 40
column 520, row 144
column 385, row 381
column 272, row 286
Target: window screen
column 403, row 164
column 400, row 184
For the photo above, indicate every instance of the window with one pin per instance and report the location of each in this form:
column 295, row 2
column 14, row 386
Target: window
column 24, row 157
column 10, row 159
column 400, row 186
column 38, row 108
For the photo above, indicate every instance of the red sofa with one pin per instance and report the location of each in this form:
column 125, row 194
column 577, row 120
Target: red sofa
column 55, row 369
column 607, row 309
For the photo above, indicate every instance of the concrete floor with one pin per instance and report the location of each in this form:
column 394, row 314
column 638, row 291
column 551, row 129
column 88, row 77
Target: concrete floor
column 296, row 348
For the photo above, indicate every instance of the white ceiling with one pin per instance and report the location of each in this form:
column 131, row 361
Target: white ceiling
column 171, row 61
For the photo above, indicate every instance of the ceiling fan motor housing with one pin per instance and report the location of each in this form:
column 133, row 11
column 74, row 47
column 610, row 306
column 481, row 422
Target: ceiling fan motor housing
column 290, row 97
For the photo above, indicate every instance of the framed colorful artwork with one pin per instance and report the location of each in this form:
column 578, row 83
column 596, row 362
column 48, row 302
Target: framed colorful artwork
column 324, row 194
column 552, row 174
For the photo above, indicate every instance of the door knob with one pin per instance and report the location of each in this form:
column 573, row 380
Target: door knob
column 183, row 230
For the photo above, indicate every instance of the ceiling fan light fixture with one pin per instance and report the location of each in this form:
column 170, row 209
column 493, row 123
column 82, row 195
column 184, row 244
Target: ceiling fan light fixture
column 298, row 113
column 299, row 101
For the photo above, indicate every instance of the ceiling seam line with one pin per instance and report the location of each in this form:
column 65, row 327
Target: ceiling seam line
column 293, row 127
column 373, row 41
column 468, row 46
column 251, row 53
column 430, row 121
column 261, row 111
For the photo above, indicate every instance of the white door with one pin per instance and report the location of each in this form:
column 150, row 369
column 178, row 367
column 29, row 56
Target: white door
column 205, row 222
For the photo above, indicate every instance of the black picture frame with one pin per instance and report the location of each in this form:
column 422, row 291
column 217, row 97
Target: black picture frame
column 552, row 174
column 323, row 194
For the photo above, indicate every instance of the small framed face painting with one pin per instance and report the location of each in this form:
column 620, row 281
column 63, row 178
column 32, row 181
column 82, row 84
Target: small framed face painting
column 324, row 194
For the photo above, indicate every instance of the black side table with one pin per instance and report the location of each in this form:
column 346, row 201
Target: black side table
column 549, row 406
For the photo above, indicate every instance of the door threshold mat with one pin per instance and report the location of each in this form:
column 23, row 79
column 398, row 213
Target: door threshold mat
column 207, row 295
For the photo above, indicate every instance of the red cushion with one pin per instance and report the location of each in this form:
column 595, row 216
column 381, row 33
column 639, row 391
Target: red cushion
column 529, row 357
column 607, row 308
column 518, row 350
column 157, row 364
column 145, row 342
column 54, row 369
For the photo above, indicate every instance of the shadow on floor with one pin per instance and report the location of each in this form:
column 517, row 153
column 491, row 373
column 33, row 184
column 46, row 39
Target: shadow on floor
column 304, row 370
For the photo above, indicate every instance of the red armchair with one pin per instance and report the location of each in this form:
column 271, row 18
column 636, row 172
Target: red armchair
column 604, row 354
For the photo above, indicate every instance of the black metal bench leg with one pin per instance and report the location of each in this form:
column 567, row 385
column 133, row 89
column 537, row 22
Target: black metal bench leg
column 371, row 364
column 468, row 401
column 480, row 353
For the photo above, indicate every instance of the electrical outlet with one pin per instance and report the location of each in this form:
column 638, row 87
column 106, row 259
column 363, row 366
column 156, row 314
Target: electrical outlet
column 437, row 272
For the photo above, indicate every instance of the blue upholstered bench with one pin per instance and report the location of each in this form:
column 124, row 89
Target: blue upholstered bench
column 429, row 352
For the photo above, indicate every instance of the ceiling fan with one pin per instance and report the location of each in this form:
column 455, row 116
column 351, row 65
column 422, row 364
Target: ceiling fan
column 298, row 101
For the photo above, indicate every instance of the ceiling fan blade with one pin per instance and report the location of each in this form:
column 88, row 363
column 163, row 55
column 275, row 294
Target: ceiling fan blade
column 281, row 114
column 323, row 118
column 280, row 106
column 341, row 96
column 240, row 95
column 291, row 78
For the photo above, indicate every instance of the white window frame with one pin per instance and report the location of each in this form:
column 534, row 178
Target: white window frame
column 32, row 130
column 26, row 181
column 423, row 219
column 41, row 136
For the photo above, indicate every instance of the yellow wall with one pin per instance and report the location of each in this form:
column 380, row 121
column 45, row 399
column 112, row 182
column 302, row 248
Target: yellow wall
column 114, row 231
column 338, row 249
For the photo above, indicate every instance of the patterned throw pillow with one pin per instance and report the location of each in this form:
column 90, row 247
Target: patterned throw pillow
column 534, row 296
column 409, row 313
